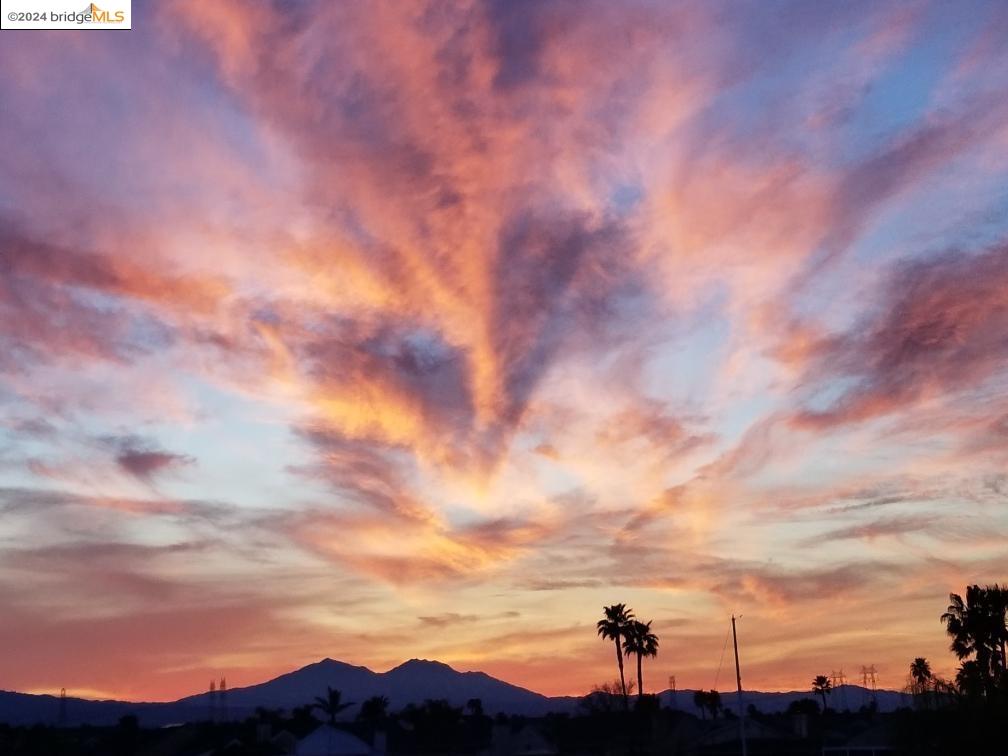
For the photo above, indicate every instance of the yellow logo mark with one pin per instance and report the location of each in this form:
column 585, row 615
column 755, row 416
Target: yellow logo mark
column 99, row 16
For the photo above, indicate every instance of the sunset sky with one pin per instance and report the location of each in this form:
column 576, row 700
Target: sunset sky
column 386, row 330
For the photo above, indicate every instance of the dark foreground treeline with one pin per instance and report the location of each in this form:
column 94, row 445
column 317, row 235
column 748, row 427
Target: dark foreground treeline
column 967, row 716
column 438, row 728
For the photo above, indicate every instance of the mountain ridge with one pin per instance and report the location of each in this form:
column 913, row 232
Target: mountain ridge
column 410, row 682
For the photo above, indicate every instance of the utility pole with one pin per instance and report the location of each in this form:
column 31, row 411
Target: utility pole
column 738, row 681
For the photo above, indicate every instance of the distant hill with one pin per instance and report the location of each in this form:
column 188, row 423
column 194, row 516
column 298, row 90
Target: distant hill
column 27, row 709
column 843, row 697
column 411, row 682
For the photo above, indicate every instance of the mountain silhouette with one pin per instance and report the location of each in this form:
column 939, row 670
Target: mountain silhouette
column 413, row 681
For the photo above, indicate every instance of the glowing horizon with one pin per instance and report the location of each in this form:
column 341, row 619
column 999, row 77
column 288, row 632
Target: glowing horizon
column 375, row 331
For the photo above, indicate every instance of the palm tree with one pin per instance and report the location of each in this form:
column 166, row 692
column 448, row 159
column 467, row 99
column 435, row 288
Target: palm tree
column 822, row 685
column 970, row 679
column 977, row 627
column 332, row 704
column 613, row 626
column 920, row 671
column 997, row 600
column 638, row 639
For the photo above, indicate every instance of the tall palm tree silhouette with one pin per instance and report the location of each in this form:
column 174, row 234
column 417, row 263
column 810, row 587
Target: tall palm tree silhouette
column 920, row 671
column 332, row 704
column 638, row 639
column 822, row 685
column 613, row 626
column 977, row 627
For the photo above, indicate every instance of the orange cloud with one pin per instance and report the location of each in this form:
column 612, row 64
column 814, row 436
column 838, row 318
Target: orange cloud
column 537, row 305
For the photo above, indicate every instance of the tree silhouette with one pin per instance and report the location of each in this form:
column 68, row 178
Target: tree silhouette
column 707, row 700
column 332, row 704
column 638, row 639
column 613, row 626
column 475, row 707
column 971, row 680
column 374, row 709
column 977, row 626
column 808, row 706
column 920, row 673
column 822, row 685
column 700, row 701
column 714, row 702
column 303, row 720
column 920, row 670
column 602, row 697
column 435, row 725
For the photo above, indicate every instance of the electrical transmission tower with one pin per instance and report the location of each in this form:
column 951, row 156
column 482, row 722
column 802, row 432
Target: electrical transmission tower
column 62, row 707
column 870, row 682
column 672, row 687
column 213, row 701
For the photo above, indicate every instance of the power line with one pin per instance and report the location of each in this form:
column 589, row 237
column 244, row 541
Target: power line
column 723, row 648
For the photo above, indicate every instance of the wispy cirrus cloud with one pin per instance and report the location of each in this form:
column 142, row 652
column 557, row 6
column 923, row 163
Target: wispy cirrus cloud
column 531, row 306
